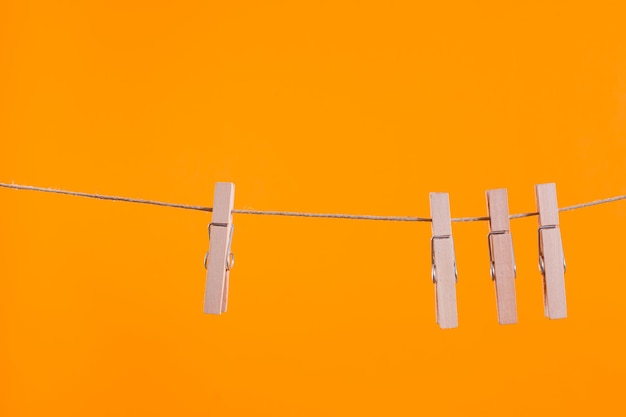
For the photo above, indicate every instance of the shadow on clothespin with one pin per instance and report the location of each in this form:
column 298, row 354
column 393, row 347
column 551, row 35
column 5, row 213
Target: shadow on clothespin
column 444, row 272
column 501, row 256
column 219, row 259
column 551, row 258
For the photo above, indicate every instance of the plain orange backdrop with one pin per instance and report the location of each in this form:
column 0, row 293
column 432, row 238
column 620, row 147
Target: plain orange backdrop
column 325, row 106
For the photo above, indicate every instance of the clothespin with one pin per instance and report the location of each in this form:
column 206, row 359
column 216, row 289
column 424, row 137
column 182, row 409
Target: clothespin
column 501, row 256
column 220, row 258
column 551, row 258
column 444, row 272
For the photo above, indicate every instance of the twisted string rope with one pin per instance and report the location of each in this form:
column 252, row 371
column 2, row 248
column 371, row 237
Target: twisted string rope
column 295, row 213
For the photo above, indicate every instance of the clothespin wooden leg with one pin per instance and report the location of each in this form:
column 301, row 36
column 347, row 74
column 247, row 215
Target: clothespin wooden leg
column 220, row 258
column 501, row 255
column 551, row 258
column 443, row 261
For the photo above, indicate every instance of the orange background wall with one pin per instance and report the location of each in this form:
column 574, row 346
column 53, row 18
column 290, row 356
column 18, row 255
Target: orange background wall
column 355, row 107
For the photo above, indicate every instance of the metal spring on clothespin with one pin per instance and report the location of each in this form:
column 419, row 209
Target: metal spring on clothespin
column 230, row 262
column 433, row 270
column 542, row 264
column 492, row 269
column 219, row 260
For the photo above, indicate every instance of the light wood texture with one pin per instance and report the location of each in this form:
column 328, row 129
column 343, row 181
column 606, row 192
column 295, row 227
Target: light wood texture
column 216, row 293
column 547, row 205
column 551, row 246
column 440, row 214
column 498, row 208
column 502, row 255
column 444, row 261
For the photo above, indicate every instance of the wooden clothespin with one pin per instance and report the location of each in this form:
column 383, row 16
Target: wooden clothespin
column 220, row 258
column 551, row 258
column 444, row 273
column 501, row 256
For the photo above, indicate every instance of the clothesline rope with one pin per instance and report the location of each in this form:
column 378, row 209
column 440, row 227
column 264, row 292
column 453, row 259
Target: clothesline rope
column 293, row 213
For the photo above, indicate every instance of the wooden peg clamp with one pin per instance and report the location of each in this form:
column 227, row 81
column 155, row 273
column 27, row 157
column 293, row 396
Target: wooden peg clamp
column 551, row 258
column 220, row 258
column 444, row 272
column 501, row 256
